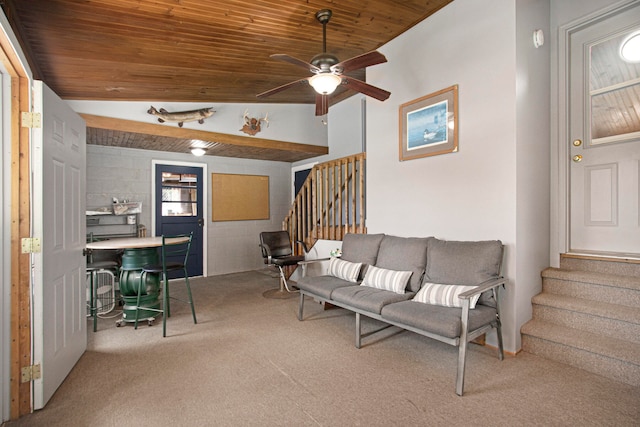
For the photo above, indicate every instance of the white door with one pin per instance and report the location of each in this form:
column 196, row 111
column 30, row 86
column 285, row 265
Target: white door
column 59, row 296
column 605, row 138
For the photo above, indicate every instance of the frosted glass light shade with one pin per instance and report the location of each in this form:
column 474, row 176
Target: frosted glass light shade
column 325, row 83
column 198, row 151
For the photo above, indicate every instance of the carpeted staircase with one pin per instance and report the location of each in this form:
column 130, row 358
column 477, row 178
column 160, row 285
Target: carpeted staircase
column 588, row 316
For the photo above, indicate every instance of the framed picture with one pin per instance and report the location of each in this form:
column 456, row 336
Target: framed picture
column 429, row 125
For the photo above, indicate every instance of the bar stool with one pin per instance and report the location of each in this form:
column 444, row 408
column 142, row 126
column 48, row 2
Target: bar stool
column 172, row 258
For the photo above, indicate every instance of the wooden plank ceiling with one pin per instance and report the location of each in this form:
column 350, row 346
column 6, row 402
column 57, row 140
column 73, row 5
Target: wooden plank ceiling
column 196, row 51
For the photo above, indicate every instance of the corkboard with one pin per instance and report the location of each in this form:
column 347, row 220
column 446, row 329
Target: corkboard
column 239, row 197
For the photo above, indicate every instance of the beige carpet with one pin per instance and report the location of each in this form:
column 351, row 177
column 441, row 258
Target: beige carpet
column 250, row 362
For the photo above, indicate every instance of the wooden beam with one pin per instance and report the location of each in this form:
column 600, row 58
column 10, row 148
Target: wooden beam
column 102, row 122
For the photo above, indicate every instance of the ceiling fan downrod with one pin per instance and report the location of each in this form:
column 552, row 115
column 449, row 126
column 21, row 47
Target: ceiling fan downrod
column 324, row 60
column 323, row 16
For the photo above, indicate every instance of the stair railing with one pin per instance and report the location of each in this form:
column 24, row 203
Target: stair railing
column 330, row 203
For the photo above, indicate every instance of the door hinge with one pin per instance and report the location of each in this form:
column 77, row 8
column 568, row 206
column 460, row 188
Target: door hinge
column 31, row 120
column 30, row 373
column 30, row 245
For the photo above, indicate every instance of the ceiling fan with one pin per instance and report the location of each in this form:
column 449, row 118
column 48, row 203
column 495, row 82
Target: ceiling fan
column 328, row 72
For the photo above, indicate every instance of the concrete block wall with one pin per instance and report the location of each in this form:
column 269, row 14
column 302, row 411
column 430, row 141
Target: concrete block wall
column 232, row 246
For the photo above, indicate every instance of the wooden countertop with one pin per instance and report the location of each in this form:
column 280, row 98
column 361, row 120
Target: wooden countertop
column 134, row 242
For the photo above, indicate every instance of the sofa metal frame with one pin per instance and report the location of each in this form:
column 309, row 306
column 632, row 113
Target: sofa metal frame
column 461, row 342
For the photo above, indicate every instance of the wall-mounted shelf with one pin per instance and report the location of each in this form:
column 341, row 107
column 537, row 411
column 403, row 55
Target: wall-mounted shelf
column 109, row 226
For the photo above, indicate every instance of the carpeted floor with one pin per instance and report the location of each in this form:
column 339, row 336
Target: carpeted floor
column 250, row 362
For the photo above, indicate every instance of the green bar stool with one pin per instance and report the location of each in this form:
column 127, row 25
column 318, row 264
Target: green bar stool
column 173, row 257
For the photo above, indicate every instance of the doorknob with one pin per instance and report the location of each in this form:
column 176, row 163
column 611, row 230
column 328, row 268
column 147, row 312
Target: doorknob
column 577, row 142
column 201, row 222
column 577, row 158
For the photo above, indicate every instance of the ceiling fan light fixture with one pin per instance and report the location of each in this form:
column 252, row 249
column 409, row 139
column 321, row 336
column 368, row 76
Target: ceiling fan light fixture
column 630, row 48
column 325, row 83
column 198, row 152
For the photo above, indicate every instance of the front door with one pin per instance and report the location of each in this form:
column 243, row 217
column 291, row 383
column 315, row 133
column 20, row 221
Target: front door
column 604, row 140
column 179, row 208
column 59, row 295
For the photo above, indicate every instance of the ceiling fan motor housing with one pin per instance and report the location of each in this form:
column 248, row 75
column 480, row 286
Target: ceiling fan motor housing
column 324, row 61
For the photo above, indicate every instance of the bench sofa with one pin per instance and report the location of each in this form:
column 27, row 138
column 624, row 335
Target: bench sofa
column 445, row 290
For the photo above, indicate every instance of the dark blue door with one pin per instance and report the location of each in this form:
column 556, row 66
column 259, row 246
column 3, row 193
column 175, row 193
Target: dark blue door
column 179, row 201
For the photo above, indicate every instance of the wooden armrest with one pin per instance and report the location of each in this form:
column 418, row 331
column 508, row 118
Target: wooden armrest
column 485, row 286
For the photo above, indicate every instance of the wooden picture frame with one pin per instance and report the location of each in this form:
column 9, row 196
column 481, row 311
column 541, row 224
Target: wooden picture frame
column 429, row 125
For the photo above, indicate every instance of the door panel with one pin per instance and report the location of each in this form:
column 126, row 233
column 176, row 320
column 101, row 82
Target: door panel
column 604, row 138
column 179, row 208
column 59, row 326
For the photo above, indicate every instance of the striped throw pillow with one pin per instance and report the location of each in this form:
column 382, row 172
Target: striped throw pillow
column 445, row 295
column 389, row 280
column 344, row 270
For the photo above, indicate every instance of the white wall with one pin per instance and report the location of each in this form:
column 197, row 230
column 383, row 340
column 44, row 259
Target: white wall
column 480, row 192
column 125, row 173
column 532, row 157
column 345, row 130
column 287, row 122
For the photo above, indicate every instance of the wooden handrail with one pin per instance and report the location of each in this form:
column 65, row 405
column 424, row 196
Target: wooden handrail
column 330, row 203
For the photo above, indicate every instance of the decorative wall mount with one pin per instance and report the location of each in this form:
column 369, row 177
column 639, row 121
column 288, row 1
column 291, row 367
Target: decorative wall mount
column 182, row 116
column 252, row 125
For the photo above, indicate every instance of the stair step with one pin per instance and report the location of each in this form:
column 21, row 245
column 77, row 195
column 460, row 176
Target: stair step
column 608, row 288
column 615, row 320
column 610, row 265
column 602, row 355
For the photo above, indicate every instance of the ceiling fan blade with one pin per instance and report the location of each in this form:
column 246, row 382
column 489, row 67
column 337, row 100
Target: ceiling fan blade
column 295, row 61
column 281, row 88
column 365, row 88
column 361, row 61
column 322, row 104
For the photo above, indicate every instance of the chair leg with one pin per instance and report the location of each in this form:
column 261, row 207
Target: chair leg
column 93, row 308
column 358, row 331
column 165, row 304
column 283, row 281
column 300, row 306
column 193, row 308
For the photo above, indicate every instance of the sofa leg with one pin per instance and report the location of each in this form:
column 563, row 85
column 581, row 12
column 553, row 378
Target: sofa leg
column 358, row 331
column 300, row 306
column 462, row 357
column 462, row 350
column 498, row 326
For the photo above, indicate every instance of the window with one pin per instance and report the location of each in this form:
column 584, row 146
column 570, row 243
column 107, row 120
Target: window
column 614, row 93
column 179, row 194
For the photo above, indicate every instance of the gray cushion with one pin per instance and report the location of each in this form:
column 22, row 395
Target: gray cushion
column 444, row 321
column 404, row 254
column 361, row 248
column 462, row 263
column 368, row 299
column 321, row 286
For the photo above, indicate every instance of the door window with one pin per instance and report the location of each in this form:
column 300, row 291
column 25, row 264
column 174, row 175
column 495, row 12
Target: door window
column 614, row 89
column 179, row 194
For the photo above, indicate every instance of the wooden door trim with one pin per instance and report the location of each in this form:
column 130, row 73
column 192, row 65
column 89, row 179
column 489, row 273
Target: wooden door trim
column 20, row 317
